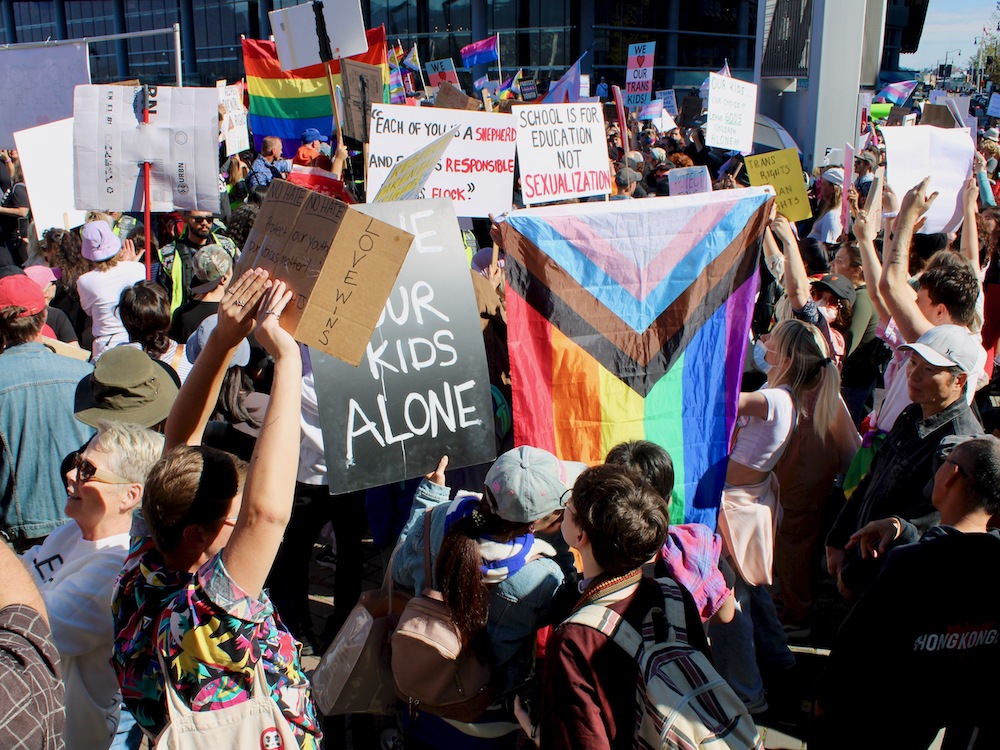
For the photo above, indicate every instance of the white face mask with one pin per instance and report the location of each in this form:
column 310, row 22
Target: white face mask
column 324, row 148
column 759, row 353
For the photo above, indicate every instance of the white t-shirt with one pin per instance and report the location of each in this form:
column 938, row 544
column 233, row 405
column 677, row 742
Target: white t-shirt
column 76, row 577
column 99, row 293
column 827, row 228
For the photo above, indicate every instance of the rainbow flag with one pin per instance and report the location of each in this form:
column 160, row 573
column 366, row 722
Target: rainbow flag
column 283, row 103
column 628, row 320
column 397, row 92
column 484, row 51
column 511, row 87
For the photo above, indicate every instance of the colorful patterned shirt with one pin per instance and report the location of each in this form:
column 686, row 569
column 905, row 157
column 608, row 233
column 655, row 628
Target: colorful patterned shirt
column 210, row 634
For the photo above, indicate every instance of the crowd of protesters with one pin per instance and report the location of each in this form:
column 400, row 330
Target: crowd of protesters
column 163, row 486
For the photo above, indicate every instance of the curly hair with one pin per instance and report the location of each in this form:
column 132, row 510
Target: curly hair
column 241, row 222
column 65, row 247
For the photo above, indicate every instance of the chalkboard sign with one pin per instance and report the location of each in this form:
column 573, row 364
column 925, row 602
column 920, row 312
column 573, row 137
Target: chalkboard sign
column 422, row 389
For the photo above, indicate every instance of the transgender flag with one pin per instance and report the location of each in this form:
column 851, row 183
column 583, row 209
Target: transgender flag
column 484, row 51
column 897, row 93
column 628, row 321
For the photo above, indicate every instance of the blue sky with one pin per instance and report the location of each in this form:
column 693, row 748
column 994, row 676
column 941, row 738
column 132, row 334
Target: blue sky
column 951, row 25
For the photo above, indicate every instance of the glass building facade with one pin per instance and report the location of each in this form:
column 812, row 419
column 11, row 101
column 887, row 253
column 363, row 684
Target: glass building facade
column 543, row 37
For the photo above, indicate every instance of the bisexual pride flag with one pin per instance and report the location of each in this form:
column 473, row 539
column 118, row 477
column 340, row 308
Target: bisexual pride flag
column 484, row 51
column 628, row 320
column 283, row 103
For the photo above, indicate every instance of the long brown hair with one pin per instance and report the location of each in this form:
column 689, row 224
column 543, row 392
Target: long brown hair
column 458, row 572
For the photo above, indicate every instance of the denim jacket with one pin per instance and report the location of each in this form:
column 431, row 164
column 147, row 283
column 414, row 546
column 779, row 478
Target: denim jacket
column 37, row 431
column 518, row 605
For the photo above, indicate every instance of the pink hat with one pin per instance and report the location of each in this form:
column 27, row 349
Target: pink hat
column 43, row 275
column 99, row 242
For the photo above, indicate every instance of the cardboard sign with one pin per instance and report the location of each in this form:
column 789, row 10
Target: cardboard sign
column 945, row 155
column 110, row 143
column 845, row 202
column 233, row 126
column 939, row 115
column 339, row 264
column 441, row 70
column 529, row 89
column 993, row 109
column 297, row 32
column 423, row 389
column 691, row 109
column 782, row 170
column 450, row 96
column 732, row 110
column 669, row 99
column 407, row 178
column 361, row 88
column 478, row 170
column 43, row 80
column 896, row 115
column 562, row 151
column 689, row 180
column 639, row 74
column 45, row 153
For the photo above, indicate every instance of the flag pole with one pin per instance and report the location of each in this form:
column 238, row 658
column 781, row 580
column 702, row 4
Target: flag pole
column 499, row 68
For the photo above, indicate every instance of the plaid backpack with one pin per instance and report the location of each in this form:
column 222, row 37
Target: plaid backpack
column 681, row 701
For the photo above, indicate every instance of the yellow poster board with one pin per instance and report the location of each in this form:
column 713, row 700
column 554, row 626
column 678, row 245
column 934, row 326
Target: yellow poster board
column 782, row 170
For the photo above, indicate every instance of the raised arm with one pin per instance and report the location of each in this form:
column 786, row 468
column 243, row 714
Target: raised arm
column 796, row 278
column 970, row 233
column 200, row 392
column 899, row 296
column 864, row 232
column 270, row 484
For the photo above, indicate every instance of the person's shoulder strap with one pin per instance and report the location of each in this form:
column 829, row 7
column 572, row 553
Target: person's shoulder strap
column 605, row 620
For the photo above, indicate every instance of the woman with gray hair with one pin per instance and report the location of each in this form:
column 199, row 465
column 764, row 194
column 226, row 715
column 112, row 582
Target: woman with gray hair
column 76, row 566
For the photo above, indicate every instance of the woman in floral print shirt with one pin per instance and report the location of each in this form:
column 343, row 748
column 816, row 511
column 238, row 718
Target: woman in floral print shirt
column 192, row 591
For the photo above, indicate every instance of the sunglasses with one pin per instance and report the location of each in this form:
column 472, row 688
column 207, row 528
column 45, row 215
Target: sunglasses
column 87, row 472
column 202, row 219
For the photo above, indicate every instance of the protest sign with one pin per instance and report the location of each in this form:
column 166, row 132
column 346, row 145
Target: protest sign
column 407, row 178
column 993, row 109
column 732, row 109
column 529, row 89
column 233, row 127
column 449, row 96
column 110, row 144
column 584, row 84
column 845, row 199
column 339, row 264
column 689, row 180
column 690, row 110
column 45, row 153
column 669, row 99
column 297, row 32
column 939, row 115
column 782, row 170
column 946, row 155
column 441, row 70
column 43, row 80
column 562, row 151
column 938, row 94
column 361, row 88
column 639, row 74
column 423, row 389
column 896, row 115
column 478, row 170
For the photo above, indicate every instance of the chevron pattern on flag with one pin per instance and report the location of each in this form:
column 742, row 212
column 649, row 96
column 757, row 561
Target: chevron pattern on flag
column 628, row 320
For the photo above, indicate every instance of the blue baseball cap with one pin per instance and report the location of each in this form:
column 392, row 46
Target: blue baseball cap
column 311, row 134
